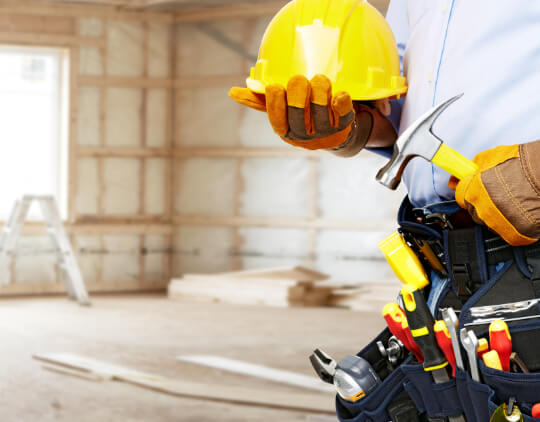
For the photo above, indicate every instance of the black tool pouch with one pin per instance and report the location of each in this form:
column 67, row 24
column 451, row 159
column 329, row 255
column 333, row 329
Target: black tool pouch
column 379, row 404
column 483, row 270
column 498, row 386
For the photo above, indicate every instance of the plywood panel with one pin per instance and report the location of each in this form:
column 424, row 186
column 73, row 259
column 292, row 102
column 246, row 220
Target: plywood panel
column 206, row 117
column 125, row 48
column 154, row 199
column 156, row 117
column 121, row 186
column 35, row 260
column 89, row 254
column 267, row 248
column 158, row 49
column 202, row 249
column 153, row 259
column 348, row 189
column 205, row 186
column 217, row 59
column 351, row 257
column 90, row 27
column 123, row 126
column 89, row 123
column 120, row 261
column 275, row 187
column 90, row 62
column 86, row 201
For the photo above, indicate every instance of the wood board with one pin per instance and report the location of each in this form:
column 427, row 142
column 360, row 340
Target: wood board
column 259, row 371
column 312, row 403
column 296, row 286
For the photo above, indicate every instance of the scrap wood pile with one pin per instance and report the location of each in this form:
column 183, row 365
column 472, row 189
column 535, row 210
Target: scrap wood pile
column 282, row 287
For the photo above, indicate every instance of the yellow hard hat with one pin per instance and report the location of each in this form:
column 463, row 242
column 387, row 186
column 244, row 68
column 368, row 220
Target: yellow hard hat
column 349, row 41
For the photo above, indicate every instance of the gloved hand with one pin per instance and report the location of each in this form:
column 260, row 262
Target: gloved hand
column 308, row 116
column 504, row 194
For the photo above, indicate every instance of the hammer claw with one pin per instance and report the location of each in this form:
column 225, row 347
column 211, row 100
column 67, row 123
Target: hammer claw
column 418, row 140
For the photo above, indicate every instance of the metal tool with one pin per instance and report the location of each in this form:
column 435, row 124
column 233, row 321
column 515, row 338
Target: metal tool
column 399, row 327
column 353, row 376
column 517, row 364
column 470, row 343
column 394, row 352
column 505, row 309
column 65, row 257
column 507, row 412
column 452, row 323
column 324, row 365
column 501, row 341
column 418, row 140
column 422, row 324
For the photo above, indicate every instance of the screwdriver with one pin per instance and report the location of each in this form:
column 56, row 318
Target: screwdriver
column 421, row 323
column 500, row 340
column 483, row 347
column 399, row 327
column 492, row 360
column 445, row 343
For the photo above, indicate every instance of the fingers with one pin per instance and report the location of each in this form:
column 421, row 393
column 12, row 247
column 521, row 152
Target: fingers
column 342, row 108
column 276, row 107
column 321, row 97
column 299, row 110
column 248, row 98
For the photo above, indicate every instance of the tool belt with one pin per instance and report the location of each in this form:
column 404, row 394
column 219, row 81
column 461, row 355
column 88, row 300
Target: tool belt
column 470, row 267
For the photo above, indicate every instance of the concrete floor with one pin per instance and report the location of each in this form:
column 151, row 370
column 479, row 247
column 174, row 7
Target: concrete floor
column 146, row 332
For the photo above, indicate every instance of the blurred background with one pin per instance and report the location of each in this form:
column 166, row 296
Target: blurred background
column 119, row 110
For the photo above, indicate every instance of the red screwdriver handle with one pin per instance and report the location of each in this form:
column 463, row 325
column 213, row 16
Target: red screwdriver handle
column 445, row 343
column 500, row 340
column 397, row 323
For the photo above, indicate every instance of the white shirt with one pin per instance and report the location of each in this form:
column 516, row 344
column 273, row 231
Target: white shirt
column 487, row 49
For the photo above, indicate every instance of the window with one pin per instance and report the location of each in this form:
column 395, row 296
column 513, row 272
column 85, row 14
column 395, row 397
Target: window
column 33, row 124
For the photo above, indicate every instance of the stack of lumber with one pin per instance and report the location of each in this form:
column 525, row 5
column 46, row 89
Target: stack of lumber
column 292, row 286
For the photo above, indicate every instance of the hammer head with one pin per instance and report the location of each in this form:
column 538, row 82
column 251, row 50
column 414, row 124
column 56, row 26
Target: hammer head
column 417, row 141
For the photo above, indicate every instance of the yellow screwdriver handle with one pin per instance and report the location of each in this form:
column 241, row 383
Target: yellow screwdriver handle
column 453, row 162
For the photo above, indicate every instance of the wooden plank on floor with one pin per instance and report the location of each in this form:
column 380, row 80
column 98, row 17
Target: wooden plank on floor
column 259, row 371
column 310, row 403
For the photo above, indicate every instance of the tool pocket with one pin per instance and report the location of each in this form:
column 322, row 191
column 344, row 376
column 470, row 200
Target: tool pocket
column 524, row 387
column 373, row 407
column 475, row 398
column 437, row 400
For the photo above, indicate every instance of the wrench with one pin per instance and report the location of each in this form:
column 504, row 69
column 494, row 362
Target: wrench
column 452, row 323
column 470, row 343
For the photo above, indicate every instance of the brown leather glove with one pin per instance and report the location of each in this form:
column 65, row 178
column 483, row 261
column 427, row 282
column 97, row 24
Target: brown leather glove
column 308, row 116
column 504, row 194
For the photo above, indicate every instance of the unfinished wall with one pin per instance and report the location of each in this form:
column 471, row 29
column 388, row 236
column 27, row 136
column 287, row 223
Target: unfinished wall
column 120, row 145
column 168, row 175
column 245, row 199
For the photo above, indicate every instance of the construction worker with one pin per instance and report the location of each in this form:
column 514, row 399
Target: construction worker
column 495, row 66
column 328, row 76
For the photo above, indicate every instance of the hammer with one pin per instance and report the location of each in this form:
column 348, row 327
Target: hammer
column 420, row 141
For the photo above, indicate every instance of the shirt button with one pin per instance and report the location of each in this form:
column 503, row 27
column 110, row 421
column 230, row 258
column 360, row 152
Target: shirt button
column 430, row 78
column 444, row 9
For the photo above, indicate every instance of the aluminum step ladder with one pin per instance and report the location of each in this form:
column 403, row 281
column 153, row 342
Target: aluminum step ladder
column 66, row 258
